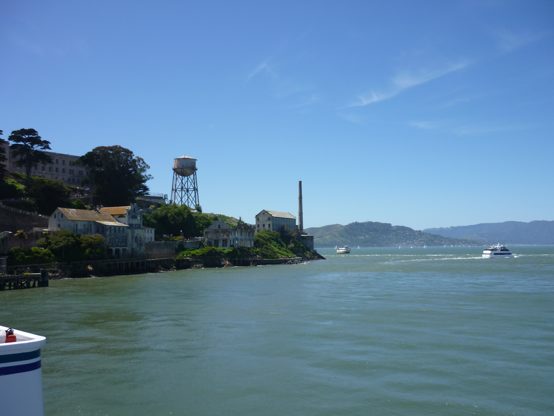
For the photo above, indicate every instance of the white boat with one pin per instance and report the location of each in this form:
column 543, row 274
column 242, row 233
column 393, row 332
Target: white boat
column 497, row 250
column 343, row 250
column 20, row 373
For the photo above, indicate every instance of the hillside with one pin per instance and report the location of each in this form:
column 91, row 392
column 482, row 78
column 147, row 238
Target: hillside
column 376, row 234
column 510, row 232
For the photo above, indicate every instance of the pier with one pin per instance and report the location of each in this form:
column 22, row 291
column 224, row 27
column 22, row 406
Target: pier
column 24, row 281
column 37, row 275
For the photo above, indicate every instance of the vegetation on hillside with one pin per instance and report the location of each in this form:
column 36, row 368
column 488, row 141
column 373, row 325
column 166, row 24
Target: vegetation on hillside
column 509, row 232
column 36, row 194
column 377, row 234
column 267, row 245
column 2, row 157
column 180, row 221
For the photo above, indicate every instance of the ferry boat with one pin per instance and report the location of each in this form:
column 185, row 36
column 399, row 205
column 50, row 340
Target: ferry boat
column 20, row 373
column 343, row 250
column 497, row 250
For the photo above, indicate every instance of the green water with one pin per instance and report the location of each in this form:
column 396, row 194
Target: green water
column 377, row 332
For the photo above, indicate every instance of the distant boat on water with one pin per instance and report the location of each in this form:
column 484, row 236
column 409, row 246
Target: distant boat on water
column 497, row 250
column 343, row 250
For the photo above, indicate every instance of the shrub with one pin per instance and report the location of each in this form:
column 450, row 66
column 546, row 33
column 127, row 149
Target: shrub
column 210, row 256
column 34, row 255
column 67, row 246
column 270, row 246
column 10, row 188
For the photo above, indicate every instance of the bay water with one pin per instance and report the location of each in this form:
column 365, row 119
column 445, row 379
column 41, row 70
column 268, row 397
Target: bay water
column 423, row 331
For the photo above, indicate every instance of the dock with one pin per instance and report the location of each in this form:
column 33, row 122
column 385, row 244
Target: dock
column 24, row 281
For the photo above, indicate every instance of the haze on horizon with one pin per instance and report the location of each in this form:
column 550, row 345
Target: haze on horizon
column 424, row 114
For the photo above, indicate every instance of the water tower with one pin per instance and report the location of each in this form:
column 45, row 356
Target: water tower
column 184, row 188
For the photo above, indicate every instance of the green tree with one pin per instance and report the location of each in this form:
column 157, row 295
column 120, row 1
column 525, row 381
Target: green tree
column 48, row 194
column 67, row 246
column 115, row 175
column 93, row 246
column 3, row 158
column 28, row 147
column 171, row 220
column 33, row 255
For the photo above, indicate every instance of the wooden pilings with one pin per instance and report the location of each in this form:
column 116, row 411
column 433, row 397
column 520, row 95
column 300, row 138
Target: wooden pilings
column 24, row 281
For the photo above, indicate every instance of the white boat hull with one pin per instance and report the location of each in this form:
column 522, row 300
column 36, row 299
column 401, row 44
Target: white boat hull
column 496, row 251
column 343, row 250
column 496, row 255
column 21, row 374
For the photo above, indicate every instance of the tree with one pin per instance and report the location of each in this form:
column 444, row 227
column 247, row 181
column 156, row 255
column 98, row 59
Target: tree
column 29, row 148
column 2, row 157
column 115, row 175
column 67, row 246
column 48, row 194
column 171, row 220
column 33, row 255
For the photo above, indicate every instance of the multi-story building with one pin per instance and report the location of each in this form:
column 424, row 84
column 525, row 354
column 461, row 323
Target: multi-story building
column 221, row 234
column 275, row 221
column 137, row 234
column 62, row 167
column 120, row 226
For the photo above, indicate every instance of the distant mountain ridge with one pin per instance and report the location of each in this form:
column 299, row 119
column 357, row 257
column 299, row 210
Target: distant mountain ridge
column 377, row 234
column 509, row 232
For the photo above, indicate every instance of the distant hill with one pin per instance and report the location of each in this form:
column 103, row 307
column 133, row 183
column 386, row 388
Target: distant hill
column 377, row 234
column 510, row 232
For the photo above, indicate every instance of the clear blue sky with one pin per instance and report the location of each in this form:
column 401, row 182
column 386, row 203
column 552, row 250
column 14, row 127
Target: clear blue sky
column 417, row 113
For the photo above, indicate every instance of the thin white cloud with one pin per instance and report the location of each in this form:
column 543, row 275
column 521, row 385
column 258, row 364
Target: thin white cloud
column 405, row 80
column 480, row 129
column 467, row 129
column 424, row 125
column 373, row 97
column 282, row 87
column 352, row 118
column 261, row 68
column 508, row 41
column 306, row 101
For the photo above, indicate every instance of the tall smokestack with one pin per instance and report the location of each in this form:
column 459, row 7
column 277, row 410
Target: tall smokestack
column 300, row 209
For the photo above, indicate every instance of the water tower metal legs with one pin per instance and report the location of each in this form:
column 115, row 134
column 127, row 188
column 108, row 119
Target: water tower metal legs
column 184, row 190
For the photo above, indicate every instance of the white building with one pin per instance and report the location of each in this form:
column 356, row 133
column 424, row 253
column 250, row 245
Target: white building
column 120, row 226
column 137, row 234
column 221, row 234
column 275, row 221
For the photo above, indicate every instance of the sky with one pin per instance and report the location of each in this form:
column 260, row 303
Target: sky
column 416, row 113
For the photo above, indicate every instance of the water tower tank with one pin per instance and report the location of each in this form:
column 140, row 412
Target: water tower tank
column 184, row 166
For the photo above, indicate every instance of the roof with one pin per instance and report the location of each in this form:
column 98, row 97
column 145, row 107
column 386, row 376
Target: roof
column 112, row 223
column 73, row 214
column 219, row 224
column 280, row 214
column 116, row 210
